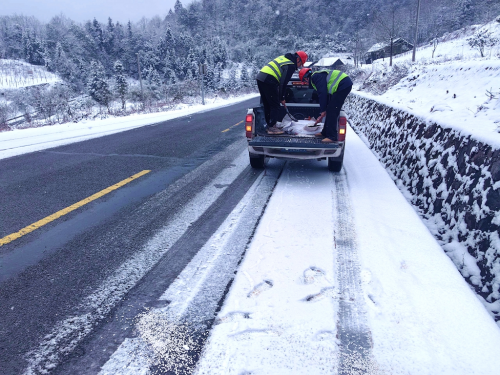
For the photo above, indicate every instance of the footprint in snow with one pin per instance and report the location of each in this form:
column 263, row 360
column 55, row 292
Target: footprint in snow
column 313, row 274
column 232, row 317
column 267, row 284
column 251, row 333
column 326, row 292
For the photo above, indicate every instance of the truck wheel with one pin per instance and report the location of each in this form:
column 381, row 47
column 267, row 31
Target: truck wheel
column 257, row 161
column 335, row 164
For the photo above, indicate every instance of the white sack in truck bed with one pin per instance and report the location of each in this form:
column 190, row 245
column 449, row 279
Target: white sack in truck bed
column 299, row 128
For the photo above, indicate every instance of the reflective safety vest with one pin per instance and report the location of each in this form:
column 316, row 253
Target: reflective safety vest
column 332, row 79
column 274, row 67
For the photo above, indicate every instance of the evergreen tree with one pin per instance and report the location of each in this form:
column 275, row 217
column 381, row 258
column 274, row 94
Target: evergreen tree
column 192, row 63
column 109, row 39
column 178, row 8
column 97, row 85
column 170, row 78
column 465, row 12
column 153, row 80
column 121, row 84
column 245, row 80
column 233, row 83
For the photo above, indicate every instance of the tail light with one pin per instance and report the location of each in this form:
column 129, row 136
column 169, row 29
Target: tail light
column 249, row 125
column 342, row 128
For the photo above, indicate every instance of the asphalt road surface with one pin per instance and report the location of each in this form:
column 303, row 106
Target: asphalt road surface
column 64, row 285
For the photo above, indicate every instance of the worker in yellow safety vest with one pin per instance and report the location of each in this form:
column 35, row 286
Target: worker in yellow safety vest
column 332, row 86
column 272, row 80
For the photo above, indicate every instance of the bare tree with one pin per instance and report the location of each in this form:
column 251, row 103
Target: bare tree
column 389, row 24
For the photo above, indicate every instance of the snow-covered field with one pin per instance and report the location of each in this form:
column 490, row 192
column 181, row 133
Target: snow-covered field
column 452, row 88
column 21, row 141
column 16, row 74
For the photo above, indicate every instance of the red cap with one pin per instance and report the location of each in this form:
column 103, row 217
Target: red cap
column 302, row 55
column 303, row 72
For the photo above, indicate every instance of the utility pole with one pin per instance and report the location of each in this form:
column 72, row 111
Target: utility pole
column 140, row 78
column 416, row 33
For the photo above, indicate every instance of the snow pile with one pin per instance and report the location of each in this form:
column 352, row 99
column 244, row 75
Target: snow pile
column 451, row 178
column 16, row 74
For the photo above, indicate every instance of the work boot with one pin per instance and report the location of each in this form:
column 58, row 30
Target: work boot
column 274, row 130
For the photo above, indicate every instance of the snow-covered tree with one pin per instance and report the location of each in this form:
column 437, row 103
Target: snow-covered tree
column 154, row 82
column 481, row 40
column 97, row 85
column 464, row 12
column 5, row 114
column 244, row 78
column 121, row 84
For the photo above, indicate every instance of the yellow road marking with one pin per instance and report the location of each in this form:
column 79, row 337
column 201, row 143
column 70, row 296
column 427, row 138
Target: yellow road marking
column 232, row 127
column 58, row 214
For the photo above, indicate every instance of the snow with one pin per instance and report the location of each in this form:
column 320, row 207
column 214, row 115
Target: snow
column 376, row 47
column 281, row 314
column 195, row 293
column 16, row 74
column 327, row 61
column 451, row 88
column 283, row 330
column 422, row 316
column 21, row 141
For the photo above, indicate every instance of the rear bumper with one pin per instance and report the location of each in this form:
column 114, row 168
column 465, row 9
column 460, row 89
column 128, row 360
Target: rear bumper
column 294, row 148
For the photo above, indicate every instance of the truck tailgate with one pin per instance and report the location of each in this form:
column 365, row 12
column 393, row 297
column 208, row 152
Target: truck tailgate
column 292, row 142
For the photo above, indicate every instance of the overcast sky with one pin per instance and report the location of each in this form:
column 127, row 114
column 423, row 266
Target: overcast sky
column 82, row 10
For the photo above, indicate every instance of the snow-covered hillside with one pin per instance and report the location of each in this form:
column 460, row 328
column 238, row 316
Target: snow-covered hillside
column 15, row 74
column 456, row 88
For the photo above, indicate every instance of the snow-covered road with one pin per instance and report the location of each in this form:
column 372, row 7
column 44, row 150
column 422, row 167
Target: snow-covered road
column 341, row 277
column 284, row 314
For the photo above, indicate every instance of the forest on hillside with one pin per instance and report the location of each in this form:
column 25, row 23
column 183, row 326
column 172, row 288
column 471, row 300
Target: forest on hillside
column 233, row 37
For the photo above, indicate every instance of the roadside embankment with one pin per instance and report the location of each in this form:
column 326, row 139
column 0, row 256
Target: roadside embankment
column 452, row 180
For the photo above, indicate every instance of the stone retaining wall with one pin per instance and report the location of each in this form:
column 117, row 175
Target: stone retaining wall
column 452, row 180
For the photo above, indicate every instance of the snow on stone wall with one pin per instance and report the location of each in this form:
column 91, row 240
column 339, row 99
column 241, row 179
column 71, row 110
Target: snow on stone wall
column 452, row 180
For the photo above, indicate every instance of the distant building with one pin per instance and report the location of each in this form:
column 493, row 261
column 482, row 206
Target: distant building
column 329, row 63
column 382, row 50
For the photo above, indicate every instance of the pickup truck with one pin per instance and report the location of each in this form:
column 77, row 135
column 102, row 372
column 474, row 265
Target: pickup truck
column 302, row 102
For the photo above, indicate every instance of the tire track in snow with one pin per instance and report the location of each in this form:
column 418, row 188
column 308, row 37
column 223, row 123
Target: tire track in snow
column 171, row 338
column 68, row 333
column 353, row 332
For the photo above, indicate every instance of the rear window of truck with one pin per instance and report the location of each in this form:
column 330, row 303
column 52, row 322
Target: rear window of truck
column 300, row 94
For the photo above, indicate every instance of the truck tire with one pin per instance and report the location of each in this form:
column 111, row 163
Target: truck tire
column 335, row 164
column 257, row 161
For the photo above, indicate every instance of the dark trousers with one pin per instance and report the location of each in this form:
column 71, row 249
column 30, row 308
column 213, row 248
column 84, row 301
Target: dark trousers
column 270, row 99
column 335, row 103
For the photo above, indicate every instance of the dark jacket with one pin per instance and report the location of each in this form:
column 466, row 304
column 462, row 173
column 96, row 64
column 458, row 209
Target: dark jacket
column 286, row 75
column 319, row 80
